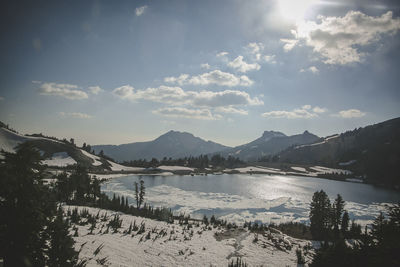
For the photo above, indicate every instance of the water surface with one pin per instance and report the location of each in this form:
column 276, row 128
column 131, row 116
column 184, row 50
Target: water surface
column 242, row 197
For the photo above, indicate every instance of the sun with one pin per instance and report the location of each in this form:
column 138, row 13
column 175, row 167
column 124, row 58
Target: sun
column 294, row 10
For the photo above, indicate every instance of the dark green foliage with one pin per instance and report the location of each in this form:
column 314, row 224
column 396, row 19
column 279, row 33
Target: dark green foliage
column 31, row 233
column 61, row 251
column 337, row 210
column 320, row 215
column 294, row 229
column 300, row 257
column 378, row 247
column 142, row 192
column 115, row 223
column 238, row 263
column 200, row 162
column 345, row 223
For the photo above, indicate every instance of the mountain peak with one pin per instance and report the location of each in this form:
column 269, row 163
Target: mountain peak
column 271, row 134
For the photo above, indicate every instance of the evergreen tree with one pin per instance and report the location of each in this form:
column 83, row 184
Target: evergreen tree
column 24, row 208
column 142, row 192
column 137, row 194
column 337, row 210
column 345, row 223
column 61, row 252
column 320, row 215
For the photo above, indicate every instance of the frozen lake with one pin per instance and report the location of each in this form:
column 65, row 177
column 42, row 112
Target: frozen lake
column 240, row 197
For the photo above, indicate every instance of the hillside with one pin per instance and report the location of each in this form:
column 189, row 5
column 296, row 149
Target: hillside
column 172, row 144
column 268, row 144
column 57, row 153
column 373, row 151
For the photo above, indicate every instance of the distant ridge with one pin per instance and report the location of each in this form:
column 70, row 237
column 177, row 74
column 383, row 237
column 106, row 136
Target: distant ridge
column 172, row 144
column 270, row 143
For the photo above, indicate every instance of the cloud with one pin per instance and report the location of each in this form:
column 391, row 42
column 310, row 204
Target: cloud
column 319, row 110
column 180, row 112
column 95, row 89
column 311, row 69
column 305, row 112
column 216, row 77
column 270, row 59
column 222, row 54
column 76, row 115
column 240, row 65
column 140, row 10
column 224, row 98
column 60, row 89
column 350, row 113
column 231, row 110
column 255, row 48
column 338, row 40
column 289, row 44
column 205, row 66
column 177, row 96
column 1, row 98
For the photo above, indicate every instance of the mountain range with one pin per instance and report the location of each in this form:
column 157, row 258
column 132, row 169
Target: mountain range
column 172, row 144
column 372, row 151
column 270, row 143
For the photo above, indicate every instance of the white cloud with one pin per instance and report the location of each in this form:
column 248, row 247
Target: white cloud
column 255, row 48
column 305, row 112
column 350, row 113
column 178, row 97
column 140, row 10
column 95, row 89
column 289, row 44
column 338, row 40
column 319, row 110
column 205, row 66
column 76, row 115
column 181, row 79
column 216, row 77
column 311, row 69
column 60, row 89
column 224, row 98
column 231, row 110
column 270, row 59
column 240, row 65
column 180, row 112
column 1, row 98
column 222, row 54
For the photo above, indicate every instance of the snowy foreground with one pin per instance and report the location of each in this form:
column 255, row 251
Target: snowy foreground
column 176, row 245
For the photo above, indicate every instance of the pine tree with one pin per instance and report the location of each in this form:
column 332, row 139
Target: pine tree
column 24, row 207
column 337, row 210
column 137, row 194
column 61, row 251
column 142, row 192
column 345, row 223
column 320, row 215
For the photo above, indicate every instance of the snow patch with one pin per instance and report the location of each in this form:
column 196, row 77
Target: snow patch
column 174, row 168
column 96, row 159
column 61, row 159
column 119, row 167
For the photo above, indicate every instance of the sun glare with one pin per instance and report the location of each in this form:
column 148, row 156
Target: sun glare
column 294, row 10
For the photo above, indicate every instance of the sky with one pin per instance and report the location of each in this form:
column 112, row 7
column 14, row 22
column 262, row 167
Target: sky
column 113, row 72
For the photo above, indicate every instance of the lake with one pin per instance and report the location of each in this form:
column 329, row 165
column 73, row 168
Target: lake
column 261, row 198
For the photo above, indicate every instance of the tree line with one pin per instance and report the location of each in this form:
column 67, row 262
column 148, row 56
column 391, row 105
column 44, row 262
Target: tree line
column 377, row 246
column 200, row 162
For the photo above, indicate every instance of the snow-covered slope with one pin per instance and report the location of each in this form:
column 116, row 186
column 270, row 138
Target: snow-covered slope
column 180, row 245
column 61, row 159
